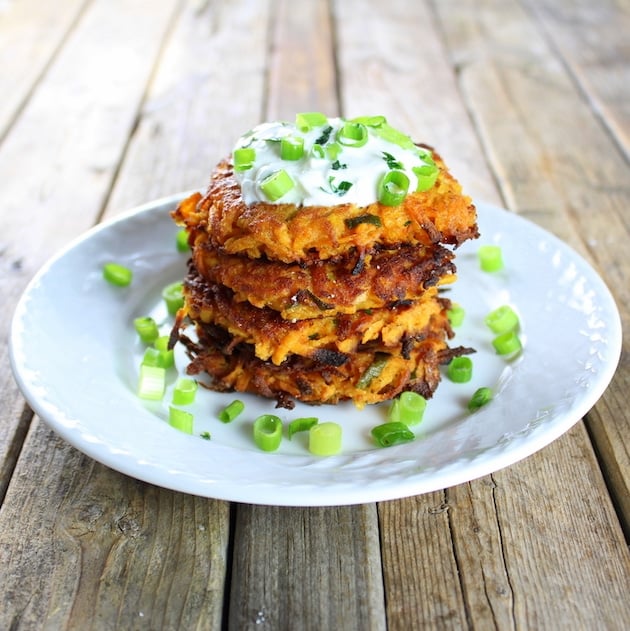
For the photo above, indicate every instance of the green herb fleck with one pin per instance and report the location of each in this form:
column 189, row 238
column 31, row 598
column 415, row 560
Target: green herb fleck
column 323, row 139
column 392, row 163
column 338, row 189
column 353, row 222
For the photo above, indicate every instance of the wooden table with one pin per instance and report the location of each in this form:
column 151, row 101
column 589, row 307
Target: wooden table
column 107, row 104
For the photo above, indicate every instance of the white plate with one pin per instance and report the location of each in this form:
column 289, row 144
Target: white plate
column 75, row 356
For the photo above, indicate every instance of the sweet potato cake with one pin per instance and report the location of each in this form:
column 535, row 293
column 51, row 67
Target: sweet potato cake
column 372, row 374
column 358, row 281
column 287, row 233
column 318, row 251
column 275, row 338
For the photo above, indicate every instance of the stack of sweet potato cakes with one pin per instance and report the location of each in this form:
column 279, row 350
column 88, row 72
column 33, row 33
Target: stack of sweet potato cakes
column 318, row 252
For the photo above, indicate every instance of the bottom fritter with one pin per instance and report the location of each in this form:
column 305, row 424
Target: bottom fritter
column 370, row 375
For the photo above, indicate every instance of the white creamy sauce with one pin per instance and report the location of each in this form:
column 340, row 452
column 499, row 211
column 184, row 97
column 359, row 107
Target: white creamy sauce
column 320, row 181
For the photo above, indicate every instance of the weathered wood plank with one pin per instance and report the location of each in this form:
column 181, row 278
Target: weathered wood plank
column 83, row 547
column 420, row 570
column 306, row 569
column 31, row 32
column 506, row 528
column 592, row 39
column 567, row 175
column 301, row 64
column 207, row 91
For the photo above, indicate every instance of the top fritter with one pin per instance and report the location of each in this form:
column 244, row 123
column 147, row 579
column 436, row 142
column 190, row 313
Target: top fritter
column 316, row 189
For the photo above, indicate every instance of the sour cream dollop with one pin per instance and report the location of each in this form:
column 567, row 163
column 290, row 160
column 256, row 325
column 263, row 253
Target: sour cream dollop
column 341, row 161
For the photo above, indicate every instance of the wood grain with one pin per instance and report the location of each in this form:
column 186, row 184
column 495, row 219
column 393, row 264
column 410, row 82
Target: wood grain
column 31, row 34
column 592, row 40
column 100, row 550
column 301, row 69
column 206, row 92
column 491, row 601
column 515, row 534
column 315, row 568
column 420, row 570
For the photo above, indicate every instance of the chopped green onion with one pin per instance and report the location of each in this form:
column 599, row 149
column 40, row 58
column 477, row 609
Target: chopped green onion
column 152, row 357
column 352, row 135
column 231, row 411
column 390, row 134
column 456, row 315
column 490, row 258
column 317, row 151
column 460, row 369
column 291, row 148
column 147, row 329
column 173, row 296
column 392, row 433
column 205, row 435
column 408, row 408
column 333, row 150
column 427, row 176
column 159, row 355
column 159, row 358
column 180, row 419
column 480, row 398
column 370, row 121
column 425, row 155
column 324, row 439
column 507, row 343
column 277, row 185
column 373, row 370
column 161, row 343
column 152, row 382
column 185, row 391
column 268, row 432
column 181, row 241
column 353, row 222
column 305, row 121
column 502, row 320
column 117, row 274
column 392, row 188
column 301, row 425
column 244, row 158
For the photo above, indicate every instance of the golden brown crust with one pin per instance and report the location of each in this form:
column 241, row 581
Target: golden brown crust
column 275, row 339
column 359, row 281
column 314, row 380
column 284, row 232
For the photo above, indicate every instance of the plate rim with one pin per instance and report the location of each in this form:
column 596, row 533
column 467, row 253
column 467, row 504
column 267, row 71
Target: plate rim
column 477, row 467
